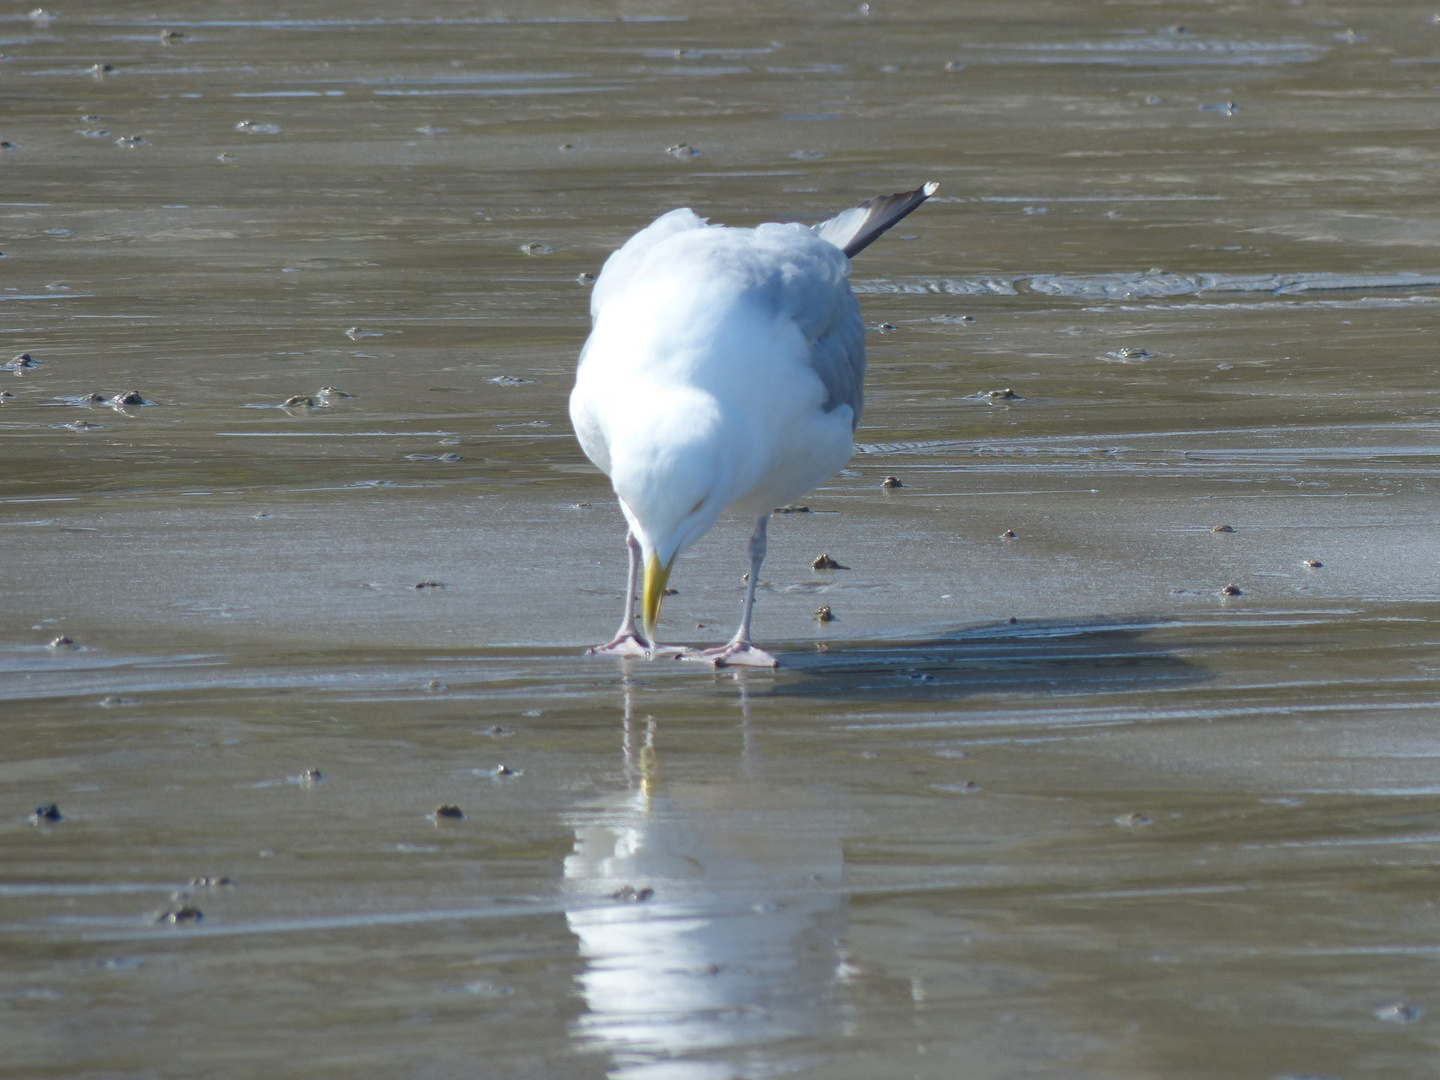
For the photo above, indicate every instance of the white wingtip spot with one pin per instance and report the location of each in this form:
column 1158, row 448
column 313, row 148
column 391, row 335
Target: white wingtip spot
column 930, row 188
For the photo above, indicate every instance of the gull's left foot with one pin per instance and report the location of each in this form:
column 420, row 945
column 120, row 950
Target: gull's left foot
column 627, row 644
column 735, row 654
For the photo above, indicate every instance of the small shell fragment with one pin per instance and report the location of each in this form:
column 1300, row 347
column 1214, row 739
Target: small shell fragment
column 1399, row 1012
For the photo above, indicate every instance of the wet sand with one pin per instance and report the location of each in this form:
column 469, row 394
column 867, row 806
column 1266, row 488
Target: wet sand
column 1118, row 795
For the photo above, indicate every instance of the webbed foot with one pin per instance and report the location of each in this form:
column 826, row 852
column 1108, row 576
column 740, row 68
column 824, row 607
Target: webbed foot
column 735, row 654
column 626, row 644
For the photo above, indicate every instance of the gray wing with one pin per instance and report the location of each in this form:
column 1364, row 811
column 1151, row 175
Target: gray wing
column 853, row 230
column 838, row 357
column 808, row 279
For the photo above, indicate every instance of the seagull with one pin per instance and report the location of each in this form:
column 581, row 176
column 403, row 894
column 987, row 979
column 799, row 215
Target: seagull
column 723, row 373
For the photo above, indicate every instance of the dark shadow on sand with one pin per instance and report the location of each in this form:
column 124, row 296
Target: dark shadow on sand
column 1090, row 656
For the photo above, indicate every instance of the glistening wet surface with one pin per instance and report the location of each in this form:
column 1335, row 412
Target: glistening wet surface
column 1118, row 756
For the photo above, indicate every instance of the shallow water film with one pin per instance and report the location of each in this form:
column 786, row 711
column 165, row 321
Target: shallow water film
column 1118, row 756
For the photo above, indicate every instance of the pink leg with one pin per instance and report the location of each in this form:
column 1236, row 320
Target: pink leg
column 627, row 642
column 739, row 652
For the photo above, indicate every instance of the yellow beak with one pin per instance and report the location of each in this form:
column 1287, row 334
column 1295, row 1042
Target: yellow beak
column 655, row 578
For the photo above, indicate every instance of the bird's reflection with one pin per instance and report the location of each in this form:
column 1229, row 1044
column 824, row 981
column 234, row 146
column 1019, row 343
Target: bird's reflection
column 709, row 917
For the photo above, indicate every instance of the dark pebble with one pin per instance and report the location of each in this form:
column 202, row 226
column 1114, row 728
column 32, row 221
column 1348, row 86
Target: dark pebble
column 49, row 813
column 1008, row 534
column 187, row 913
column 450, row 812
column 825, row 562
column 62, row 642
column 631, row 895
column 824, row 614
column 428, row 584
column 1223, row 529
column 891, row 482
column 1231, row 590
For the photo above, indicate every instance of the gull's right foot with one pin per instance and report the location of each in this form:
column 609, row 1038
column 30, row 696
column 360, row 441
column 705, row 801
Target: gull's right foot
column 626, row 644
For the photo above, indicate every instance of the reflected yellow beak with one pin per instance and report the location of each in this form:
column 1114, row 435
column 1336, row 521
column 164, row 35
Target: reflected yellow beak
column 655, row 578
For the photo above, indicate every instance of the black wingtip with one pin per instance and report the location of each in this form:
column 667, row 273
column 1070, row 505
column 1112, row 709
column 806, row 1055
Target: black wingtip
column 884, row 212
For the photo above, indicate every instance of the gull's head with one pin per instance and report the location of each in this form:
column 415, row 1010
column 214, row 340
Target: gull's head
column 672, row 470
